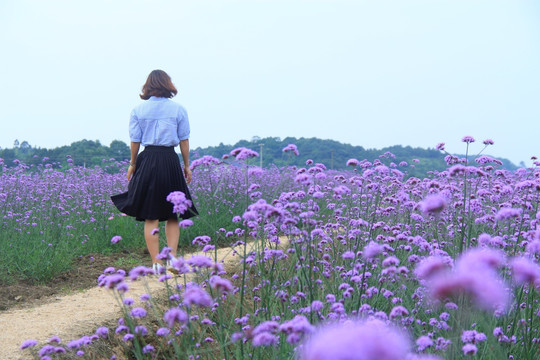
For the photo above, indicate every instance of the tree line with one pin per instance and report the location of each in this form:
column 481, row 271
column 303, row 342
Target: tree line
column 87, row 153
column 333, row 154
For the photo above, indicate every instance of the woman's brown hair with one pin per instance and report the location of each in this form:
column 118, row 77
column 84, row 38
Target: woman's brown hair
column 158, row 84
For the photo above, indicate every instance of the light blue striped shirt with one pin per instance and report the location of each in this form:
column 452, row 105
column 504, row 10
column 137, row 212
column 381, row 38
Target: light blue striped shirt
column 159, row 121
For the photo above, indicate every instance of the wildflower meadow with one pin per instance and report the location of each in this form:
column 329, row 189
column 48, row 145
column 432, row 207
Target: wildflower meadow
column 367, row 263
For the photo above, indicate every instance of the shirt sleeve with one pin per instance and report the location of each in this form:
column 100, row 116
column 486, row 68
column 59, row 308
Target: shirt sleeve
column 183, row 125
column 135, row 131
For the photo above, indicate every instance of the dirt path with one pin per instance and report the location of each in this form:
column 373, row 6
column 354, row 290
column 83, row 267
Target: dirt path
column 72, row 316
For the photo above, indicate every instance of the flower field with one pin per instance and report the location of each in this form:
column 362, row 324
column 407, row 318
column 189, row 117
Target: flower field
column 49, row 215
column 361, row 264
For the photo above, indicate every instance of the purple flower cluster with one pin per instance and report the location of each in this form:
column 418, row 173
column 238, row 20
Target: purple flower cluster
column 474, row 276
column 371, row 339
column 353, row 162
column 206, row 160
column 433, row 204
column 180, row 203
column 364, row 264
column 291, row 148
column 243, row 153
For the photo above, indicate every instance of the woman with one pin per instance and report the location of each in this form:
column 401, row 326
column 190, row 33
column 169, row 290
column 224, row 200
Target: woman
column 159, row 124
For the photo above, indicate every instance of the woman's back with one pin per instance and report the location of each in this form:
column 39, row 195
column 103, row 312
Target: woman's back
column 159, row 121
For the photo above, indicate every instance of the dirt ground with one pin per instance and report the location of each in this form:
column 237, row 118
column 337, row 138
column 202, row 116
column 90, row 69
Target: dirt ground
column 72, row 305
column 83, row 276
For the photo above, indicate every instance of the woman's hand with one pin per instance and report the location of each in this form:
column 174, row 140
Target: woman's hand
column 131, row 170
column 134, row 149
column 187, row 174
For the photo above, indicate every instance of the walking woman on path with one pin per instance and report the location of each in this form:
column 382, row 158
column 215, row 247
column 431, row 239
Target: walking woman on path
column 159, row 124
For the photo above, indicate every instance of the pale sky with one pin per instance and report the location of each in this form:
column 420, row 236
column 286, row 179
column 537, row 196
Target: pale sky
column 372, row 73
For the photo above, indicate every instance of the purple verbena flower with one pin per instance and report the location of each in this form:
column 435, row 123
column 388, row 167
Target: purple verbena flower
column 457, row 170
column 430, row 266
column 138, row 312
column 534, row 246
column 200, row 261
column 371, row 250
column 28, row 343
column 390, row 261
column 479, row 259
column 424, row 342
column 265, row 339
column 243, row 153
column 292, row 148
column 111, row 281
column 371, row 339
column 208, row 248
column 45, row 350
column 508, row 213
column 148, row 349
column 296, row 329
column 180, row 203
column 433, row 204
column 398, row 311
column 205, row 160
column 525, row 270
column 269, row 326
column 180, row 265
column 139, row 271
column 54, row 339
column 163, row 332
column 185, row 223
column 141, row 330
column 317, row 305
column 223, row 285
column 102, row 332
column 484, row 288
column 174, row 315
column 194, row 295
column 469, row 349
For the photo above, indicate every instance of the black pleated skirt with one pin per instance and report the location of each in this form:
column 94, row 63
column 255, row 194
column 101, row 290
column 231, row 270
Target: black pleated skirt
column 157, row 174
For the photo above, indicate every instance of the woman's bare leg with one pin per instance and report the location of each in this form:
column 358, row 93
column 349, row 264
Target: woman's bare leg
column 152, row 241
column 172, row 233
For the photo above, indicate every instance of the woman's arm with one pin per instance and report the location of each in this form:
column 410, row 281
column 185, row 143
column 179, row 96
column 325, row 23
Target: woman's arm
column 184, row 149
column 134, row 152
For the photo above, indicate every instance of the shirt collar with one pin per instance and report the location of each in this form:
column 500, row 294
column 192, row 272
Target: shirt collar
column 155, row 98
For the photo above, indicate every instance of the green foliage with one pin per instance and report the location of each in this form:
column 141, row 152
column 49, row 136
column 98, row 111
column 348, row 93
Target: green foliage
column 332, row 154
column 86, row 153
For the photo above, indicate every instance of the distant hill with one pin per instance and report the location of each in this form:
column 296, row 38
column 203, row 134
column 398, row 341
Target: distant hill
column 84, row 153
column 333, row 154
